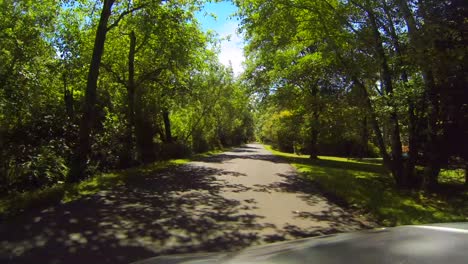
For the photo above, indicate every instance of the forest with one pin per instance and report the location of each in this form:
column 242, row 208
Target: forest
column 96, row 86
column 362, row 78
column 93, row 86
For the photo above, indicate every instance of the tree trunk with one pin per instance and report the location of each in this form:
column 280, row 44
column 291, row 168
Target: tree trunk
column 431, row 151
column 375, row 125
column 368, row 105
column 83, row 148
column 314, row 137
column 143, row 129
column 126, row 156
column 68, row 98
column 144, row 133
column 413, row 128
column 397, row 158
column 167, row 126
column 315, row 124
column 364, row 139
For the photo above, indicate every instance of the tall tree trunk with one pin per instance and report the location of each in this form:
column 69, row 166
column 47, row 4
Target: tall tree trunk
column 144, row 133
column 413, row 128
column 367, row 103
column 314, row 136
column 143, row 129
column 397, row 158
column 126, row 156
column 68, row 98
column 375, row 125
column 167, row 126
column 364, row 139
column 315, row 124
column 430, row 90
column 83, row 149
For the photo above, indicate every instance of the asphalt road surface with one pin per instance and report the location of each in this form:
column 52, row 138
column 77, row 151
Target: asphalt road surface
column 226, row 202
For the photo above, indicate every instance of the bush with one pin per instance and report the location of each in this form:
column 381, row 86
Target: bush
column 347, row 148
column 281, row 130
column 46, row 168
column 174, row 150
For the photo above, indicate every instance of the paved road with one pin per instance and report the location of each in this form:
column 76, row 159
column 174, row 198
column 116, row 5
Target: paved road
column 239, row 198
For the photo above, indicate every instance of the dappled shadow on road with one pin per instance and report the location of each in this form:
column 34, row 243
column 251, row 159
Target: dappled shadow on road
column 244, row 152
column 226, row 157
column 174, row 211
column 178, row 210
column 333, row 213
column 294, row 184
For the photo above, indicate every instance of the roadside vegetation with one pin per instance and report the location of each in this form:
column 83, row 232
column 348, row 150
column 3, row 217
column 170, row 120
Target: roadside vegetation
column 89, row 88
column 362, row 79
column 92, row 87
column 366, row 185
column 64, row 192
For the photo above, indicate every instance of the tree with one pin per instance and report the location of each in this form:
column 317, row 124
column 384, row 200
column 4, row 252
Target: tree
column 153, row 89
column 364, row 44
column 83, row 148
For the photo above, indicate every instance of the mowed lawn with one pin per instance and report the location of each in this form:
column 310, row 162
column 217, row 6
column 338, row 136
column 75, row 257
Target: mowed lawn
column 366, row 185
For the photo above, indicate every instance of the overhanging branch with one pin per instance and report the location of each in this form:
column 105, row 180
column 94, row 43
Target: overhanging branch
column 123, row 14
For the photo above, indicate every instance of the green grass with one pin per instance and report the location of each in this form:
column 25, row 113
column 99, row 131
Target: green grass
column 456, row 176
column 62, row 193
column 368, row 186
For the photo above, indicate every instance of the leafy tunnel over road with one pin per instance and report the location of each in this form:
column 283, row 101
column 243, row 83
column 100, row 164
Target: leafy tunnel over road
column 226, row 202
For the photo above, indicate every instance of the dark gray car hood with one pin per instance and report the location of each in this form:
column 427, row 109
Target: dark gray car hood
column 440, row 243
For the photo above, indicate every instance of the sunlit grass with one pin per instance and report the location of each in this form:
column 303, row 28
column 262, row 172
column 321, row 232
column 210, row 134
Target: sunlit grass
column 368, row 186
column 456, row 176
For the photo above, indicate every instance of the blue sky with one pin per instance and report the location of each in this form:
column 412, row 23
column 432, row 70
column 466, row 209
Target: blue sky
column 231, row 51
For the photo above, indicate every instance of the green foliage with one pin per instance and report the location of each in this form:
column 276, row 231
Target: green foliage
column 360, row 74
column 66, row 192
column 175, row 100
column 44, row 169
column 282, row 130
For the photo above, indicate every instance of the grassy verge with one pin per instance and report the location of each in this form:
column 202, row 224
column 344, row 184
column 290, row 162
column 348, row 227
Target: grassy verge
column 61, row 193
column 368, row 186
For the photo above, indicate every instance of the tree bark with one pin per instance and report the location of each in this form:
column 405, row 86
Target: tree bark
column 144, row 133
column 131, row 87
column 433, row 162
column 375, row 125
column 167, row 126
column 397, row 158
column 368, row 105
column 68, row 98
column 143, row 129
column 126, row 156
column 364, row 139
column 314, row 136
column 315, row 124
column 83, row 149
column 413, row 124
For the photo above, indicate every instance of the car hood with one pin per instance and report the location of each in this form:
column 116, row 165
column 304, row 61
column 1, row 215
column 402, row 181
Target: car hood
column 438, row 243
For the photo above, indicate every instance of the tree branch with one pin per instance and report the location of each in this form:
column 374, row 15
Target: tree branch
column 108, row 68
column 149, row 75
column 122, row 15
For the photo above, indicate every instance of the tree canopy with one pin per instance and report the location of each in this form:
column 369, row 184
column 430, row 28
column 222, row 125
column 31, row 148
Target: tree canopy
column 361, row 76
column 92, row 86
